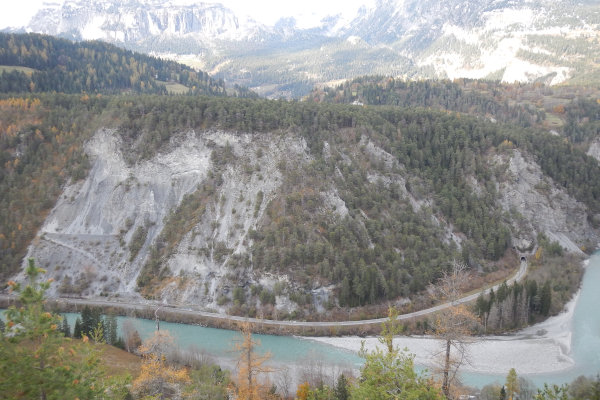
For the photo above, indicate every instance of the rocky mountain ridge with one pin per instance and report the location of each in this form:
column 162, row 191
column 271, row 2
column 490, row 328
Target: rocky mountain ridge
column 500, row 40
column 132, row 21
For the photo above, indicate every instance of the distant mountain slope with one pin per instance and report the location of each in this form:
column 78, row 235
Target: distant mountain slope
column 94, row 67
column 539, row 40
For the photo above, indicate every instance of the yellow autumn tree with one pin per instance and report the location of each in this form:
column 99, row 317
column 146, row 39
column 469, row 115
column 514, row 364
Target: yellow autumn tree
column 303, row 391
column 250, row 365
column 512, row 384
column 157, row 377
column 453, row 325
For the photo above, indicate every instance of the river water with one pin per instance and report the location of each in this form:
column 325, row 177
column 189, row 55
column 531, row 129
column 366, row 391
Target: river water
column 299, row 352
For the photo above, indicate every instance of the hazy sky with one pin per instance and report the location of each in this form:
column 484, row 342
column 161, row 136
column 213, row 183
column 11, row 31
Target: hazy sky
column 16, row 13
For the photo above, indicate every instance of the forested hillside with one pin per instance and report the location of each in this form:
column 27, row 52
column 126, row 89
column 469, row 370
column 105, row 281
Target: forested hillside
column 571, row 111
column 317, row 203
column 465, row 96
column 40, row 63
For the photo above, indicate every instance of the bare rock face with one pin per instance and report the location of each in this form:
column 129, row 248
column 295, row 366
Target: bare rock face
column 100, row 233
column 594, row 150
column 537, row 205
column 206, row 253
column 94, row 221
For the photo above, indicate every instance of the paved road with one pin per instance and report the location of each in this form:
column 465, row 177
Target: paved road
column 329, row 324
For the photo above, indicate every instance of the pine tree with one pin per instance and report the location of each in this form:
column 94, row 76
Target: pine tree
column 341, row 388
column 391, row 376
column 546, row 299
column 34, row 360
column 553, row 392
column 390, row 328
column 87, row 321
column 110, row 326
column 65, row 328
column 77, row 333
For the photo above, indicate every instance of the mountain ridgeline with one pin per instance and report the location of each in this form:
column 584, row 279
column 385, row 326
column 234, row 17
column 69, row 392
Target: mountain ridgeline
column 535, row 41
column 40, row 63
column 276, row 207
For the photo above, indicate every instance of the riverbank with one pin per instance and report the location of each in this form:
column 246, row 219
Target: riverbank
column 176, row 314
column 541, row 348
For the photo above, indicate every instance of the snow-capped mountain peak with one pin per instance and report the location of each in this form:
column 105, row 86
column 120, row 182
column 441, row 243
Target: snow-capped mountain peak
column 508, row 40
column 131, row 21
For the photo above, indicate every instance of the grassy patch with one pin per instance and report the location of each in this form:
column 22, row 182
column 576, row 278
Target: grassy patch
column 554, row 121
column 174, row 88
column 119, row 362
column 10, row 68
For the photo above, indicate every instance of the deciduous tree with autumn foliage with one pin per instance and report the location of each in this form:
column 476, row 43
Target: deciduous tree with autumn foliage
column 250, row 365
column 453, row 325
column 157, row 377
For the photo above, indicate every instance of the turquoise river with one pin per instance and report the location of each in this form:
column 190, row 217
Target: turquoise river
column 585, row 346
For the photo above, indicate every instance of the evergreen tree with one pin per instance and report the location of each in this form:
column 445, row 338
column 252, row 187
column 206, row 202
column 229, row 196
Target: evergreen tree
column 33, row 361
column 389, row 373
column 341, row 389
column 77, row 332
column 595, row 395
column 87, row 321
column 65, row 328
column 392, row 376
column 553, row 392
column 546, row 299
column 110, row 326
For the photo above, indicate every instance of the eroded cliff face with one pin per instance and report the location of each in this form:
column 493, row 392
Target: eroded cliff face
column 214, row 257
column 535, row 205
column 87, row 240
column 84, row 241
column 104, row 230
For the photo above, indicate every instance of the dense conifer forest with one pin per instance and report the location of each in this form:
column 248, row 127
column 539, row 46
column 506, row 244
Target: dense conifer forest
column 40, row 63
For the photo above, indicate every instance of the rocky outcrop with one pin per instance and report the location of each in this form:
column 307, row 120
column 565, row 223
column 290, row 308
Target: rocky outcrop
column 594, row 150
column 536, row 205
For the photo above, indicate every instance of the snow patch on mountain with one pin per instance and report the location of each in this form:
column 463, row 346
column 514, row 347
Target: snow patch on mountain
column 501, row 20
column 93, row 30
